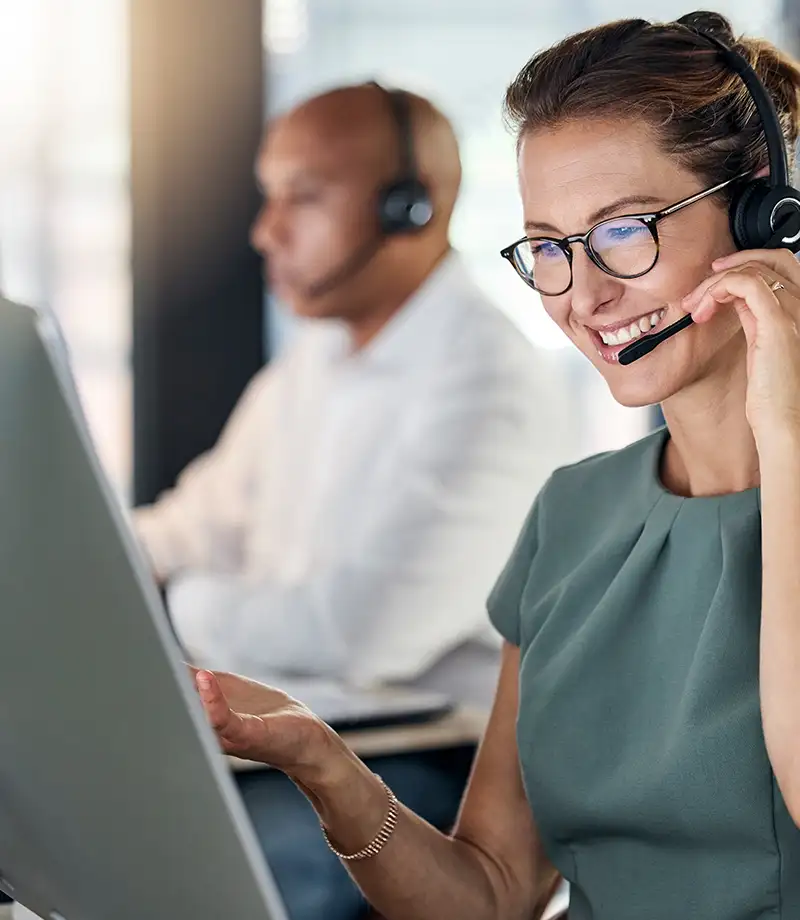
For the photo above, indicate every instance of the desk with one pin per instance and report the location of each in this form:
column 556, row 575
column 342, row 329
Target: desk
column 463, row 725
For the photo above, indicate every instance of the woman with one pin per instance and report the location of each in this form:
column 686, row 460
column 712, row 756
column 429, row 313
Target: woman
column 645, row 737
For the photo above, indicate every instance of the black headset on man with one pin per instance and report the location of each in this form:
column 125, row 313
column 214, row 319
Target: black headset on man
column 764, row 212
column 404, row 205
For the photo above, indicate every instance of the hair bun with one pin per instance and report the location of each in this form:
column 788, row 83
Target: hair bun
column 711, row 23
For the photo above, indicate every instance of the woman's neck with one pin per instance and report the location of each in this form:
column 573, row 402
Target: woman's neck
column 711, row 450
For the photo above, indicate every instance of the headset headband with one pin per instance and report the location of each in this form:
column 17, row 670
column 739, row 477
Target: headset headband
column 402, row 115
column 398, row 102
column 776, row 146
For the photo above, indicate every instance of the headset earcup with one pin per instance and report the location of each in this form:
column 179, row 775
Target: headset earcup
column 404, row 207
column 744, row 212
column 779, row 216
column 759, row 209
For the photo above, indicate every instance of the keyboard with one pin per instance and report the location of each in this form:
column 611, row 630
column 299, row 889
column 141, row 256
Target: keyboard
column 348, row 708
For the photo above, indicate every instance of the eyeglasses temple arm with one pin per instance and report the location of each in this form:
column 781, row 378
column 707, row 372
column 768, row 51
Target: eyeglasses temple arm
column 700, row 195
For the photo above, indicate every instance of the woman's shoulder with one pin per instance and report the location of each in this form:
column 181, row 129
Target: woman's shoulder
column 594, row 500
column 627, row 468
column 604, row 486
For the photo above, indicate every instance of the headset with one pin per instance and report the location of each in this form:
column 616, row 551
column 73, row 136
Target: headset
column 764, row 212
column 404, row 205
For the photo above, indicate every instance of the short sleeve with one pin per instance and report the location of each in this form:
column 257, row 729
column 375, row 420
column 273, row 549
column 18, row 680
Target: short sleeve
column 506, row 596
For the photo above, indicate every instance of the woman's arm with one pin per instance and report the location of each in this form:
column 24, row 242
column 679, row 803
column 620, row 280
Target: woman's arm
column 780, row 615
column 764, row 289
column 492, row 868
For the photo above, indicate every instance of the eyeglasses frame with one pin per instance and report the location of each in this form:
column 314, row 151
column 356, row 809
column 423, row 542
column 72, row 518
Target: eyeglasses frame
column 650, row 219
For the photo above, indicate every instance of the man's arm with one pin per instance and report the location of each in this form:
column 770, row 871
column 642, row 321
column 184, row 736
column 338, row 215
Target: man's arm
column 412, row 583
column 201, row 521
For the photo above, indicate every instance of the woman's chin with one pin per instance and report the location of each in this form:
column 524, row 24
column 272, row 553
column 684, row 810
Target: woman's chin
column 638, row 390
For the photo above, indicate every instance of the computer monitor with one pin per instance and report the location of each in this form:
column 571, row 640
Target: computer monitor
column 115, row 800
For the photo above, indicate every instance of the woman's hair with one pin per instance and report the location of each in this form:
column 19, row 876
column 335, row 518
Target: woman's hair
column 672, row 79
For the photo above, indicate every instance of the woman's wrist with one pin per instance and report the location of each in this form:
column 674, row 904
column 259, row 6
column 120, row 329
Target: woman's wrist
column 773, row 442
column 778, row 453
column 349, row 799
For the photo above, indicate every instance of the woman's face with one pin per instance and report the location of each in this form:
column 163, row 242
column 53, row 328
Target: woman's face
column 571, row 174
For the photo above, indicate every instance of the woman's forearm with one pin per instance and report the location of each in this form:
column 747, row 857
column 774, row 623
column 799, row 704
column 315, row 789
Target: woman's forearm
column 420, row 874
column 493, row 868
column 780, row 615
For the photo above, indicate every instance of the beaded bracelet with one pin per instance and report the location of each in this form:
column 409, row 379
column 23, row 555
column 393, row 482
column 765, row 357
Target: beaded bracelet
column 381, row 838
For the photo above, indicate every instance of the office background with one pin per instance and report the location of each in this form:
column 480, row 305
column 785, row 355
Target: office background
column 126, row 188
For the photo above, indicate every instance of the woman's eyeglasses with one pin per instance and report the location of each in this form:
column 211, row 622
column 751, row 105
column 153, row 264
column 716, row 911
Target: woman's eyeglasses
column 624, row 247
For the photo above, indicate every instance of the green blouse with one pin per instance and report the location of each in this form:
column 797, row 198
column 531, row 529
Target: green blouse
column 640, row 740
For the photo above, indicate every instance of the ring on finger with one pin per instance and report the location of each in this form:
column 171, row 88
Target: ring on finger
column 776, row 286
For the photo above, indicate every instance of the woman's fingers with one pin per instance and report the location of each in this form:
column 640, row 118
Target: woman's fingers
column 241, row 734
column 759, row 308
column 225, row 722
column 753, row 280
column 781, row 262
column 760, row 270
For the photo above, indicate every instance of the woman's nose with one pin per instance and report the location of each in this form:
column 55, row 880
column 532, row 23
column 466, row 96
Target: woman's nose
column 592, row 288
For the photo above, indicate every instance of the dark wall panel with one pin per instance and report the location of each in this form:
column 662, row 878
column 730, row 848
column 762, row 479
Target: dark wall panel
column 197, row 108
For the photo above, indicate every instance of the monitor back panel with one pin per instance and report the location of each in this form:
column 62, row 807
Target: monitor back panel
column 115, row 801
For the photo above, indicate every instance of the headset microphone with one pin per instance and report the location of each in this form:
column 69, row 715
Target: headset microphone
column 765, row 212
column 351, row 266
column 644, row 346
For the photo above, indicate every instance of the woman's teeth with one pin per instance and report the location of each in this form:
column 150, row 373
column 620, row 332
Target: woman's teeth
column 628, row 333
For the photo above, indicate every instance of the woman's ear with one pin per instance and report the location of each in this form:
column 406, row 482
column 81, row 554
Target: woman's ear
column 762, row 173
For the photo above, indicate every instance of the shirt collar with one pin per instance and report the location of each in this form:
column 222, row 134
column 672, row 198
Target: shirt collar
column 421, row 322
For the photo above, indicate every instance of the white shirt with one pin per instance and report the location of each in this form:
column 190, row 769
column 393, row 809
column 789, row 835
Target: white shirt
column 358, row 506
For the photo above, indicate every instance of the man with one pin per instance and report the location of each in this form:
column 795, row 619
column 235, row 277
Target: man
column 371, row 482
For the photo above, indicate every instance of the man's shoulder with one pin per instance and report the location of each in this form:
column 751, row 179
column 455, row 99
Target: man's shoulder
column 479, row 322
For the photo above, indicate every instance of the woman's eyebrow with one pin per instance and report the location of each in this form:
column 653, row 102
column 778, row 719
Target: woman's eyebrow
column 601, row 213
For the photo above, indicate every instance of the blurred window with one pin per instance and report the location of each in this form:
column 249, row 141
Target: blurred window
column 64, row 204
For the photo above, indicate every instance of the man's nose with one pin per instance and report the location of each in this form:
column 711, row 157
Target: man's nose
column 268, row 229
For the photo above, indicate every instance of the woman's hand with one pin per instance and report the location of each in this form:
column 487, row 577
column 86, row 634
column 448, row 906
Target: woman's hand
column 256, row 722
column 770, row 318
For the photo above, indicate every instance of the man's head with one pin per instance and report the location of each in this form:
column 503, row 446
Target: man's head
column 321, row 168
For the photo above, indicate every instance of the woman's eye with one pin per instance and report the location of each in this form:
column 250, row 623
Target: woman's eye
column 620, row 233
column 545, row 250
